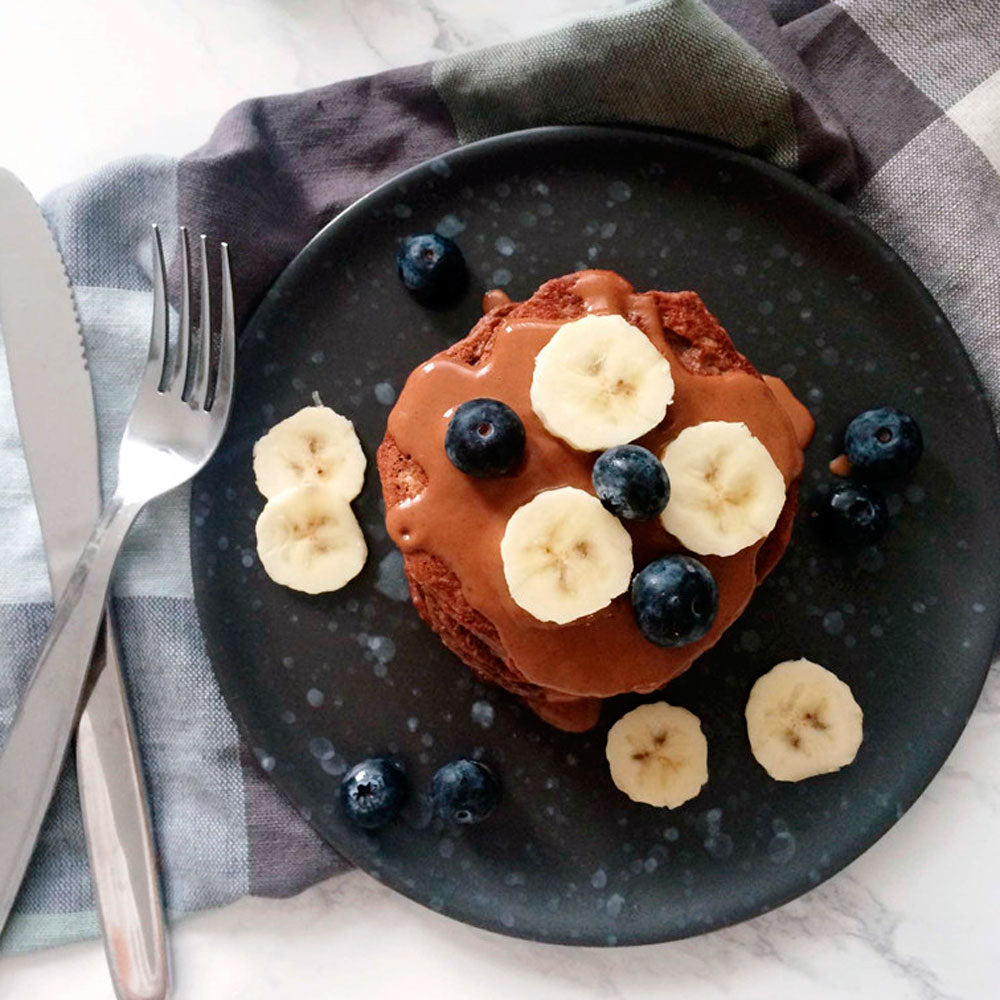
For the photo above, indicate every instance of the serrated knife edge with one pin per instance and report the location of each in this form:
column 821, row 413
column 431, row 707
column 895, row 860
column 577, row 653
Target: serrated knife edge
column 39, row 321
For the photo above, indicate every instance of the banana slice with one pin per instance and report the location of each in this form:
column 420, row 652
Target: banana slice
column 802, row 720
column 725, row 490
column 315, row 445
column 658, row 755
column 564, row 556
column 309, row 539
column 600, row 382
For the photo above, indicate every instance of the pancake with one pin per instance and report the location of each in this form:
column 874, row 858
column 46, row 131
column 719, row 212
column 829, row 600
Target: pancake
column 448, row 525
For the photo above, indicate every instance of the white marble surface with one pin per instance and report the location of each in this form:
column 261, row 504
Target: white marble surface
column 918, row 916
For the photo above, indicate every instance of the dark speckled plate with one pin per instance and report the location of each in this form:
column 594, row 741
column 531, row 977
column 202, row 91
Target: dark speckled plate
column 809, row 294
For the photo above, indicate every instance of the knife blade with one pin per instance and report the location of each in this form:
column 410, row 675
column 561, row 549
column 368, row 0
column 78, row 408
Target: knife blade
column 54, row 405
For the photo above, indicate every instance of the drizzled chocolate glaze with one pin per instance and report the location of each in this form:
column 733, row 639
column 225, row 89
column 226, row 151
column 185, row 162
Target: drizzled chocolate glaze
column 493, row 298
column 461, row 519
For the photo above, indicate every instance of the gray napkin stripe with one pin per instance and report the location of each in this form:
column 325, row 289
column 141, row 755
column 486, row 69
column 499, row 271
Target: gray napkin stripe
column 881, row 107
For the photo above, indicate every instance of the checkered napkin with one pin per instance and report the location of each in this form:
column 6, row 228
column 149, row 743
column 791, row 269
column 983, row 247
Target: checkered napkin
column 893, row 104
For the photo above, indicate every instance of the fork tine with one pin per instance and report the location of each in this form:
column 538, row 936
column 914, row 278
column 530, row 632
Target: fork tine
column 156, row 358
column 198, row 396
column 222, row 396
column 180, row 369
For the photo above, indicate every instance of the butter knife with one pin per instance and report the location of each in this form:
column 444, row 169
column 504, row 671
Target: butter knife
column 55, row 414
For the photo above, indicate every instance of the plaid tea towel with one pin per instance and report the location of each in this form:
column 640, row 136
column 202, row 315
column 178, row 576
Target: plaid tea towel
column 893, row 105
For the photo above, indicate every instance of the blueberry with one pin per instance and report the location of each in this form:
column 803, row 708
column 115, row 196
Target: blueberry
column 675, row 600
column 373, row 792
column 849, row 513
column 431, row 268
column 464, row 791
column 631, row 482
column 484, row 438
column 883, row 442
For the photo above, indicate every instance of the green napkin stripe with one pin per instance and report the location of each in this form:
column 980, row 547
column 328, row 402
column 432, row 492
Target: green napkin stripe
column 27, row 931
column 665, row 63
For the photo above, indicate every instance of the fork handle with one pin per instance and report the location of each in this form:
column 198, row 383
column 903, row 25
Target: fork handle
column 33, row 753
column 119, row 838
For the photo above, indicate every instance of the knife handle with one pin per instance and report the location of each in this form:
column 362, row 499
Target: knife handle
column 119, row 837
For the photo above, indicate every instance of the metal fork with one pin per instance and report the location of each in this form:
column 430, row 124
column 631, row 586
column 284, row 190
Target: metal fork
column 175, row 426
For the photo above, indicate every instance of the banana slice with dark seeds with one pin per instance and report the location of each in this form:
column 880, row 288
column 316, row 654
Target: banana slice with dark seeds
column 658, row 755
column 802, row 720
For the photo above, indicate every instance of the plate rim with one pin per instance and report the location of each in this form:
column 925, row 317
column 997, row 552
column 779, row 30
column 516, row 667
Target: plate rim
column 260, row 315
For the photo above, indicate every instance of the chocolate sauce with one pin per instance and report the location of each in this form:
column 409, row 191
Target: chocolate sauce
column 495, row 297
column 841, row 466
column 461, row 519
column 801, row 419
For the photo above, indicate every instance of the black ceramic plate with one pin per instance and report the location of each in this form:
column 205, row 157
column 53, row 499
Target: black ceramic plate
column 808, row 293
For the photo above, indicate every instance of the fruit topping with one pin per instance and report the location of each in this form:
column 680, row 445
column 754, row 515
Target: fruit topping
column 631, row 482
column 464, row 792
column 600, row 382
column 431, row 268
column 309, row 539
column 658, row 755
column 485, row 438
column 884, row 442
column 802, row 720
column 675, row 600
column 564, row 556
column 849, row 513
column 373, row 792
column 314, row 445
column 725, row 490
